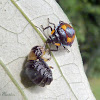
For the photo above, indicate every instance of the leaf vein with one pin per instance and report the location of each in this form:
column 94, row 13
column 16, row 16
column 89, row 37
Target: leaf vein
column 43, row 41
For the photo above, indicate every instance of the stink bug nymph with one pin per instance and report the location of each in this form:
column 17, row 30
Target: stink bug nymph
column 36, row 67
column 63, row 35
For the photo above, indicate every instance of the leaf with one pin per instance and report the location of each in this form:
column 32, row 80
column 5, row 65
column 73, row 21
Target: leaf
column 18, row 35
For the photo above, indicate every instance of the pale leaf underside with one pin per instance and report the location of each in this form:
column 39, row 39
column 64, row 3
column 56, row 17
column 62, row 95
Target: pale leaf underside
column 18, row 35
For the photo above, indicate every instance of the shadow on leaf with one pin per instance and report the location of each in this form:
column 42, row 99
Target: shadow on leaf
column 24, row 78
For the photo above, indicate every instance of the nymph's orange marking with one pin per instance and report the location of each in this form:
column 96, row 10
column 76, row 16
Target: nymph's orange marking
column 52, row 31
column 70, row 39
column 65, row 26
column 57, row 44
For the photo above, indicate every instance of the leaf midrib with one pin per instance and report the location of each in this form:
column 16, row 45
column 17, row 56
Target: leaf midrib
column 8, row 72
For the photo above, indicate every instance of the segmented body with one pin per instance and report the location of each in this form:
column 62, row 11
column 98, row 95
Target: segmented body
column 37, row 69
column 39, row 72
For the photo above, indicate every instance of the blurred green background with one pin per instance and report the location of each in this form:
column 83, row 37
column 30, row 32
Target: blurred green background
column 85, row 18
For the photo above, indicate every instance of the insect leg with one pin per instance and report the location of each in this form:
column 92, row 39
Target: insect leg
column 46, row 27
column 46, row 59
column 52, row 23
column 66, row 49
column 50, row 67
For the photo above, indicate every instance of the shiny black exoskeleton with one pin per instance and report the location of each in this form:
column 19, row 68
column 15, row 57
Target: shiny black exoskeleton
column 36, row 68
